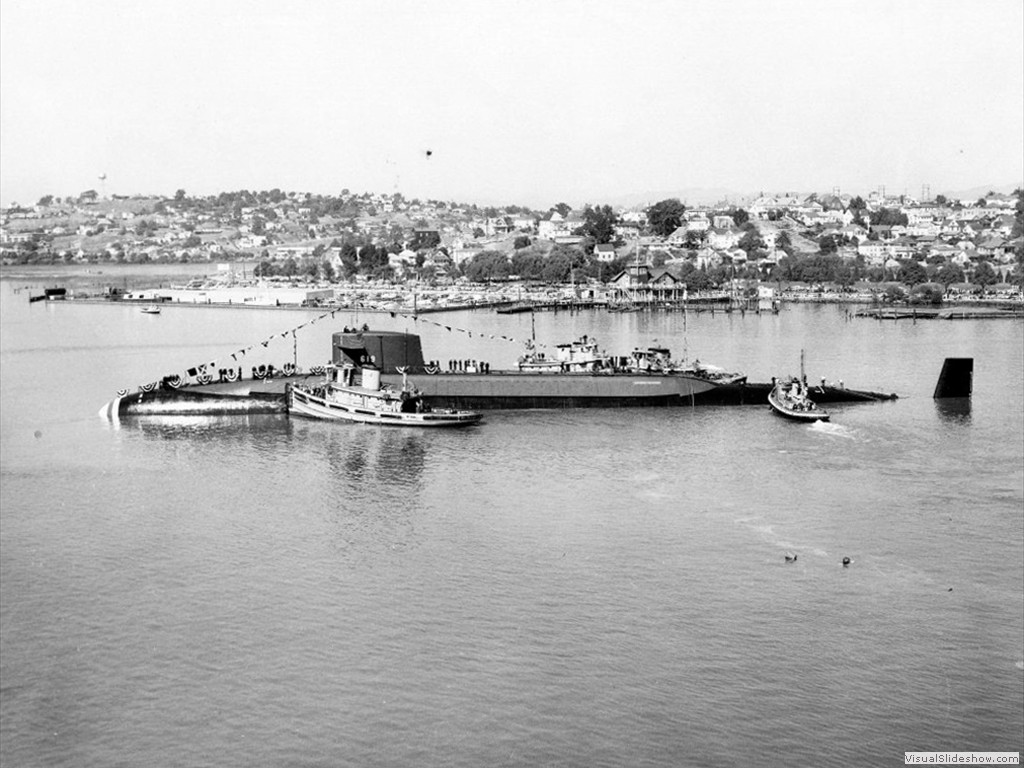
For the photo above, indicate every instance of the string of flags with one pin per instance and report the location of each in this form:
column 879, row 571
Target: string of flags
column 451, row 328
column 204, row 373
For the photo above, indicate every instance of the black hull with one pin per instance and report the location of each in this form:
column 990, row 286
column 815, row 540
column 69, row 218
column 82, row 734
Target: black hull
column 478, row 392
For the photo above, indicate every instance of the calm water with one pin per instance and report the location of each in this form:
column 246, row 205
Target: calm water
column 592, row 588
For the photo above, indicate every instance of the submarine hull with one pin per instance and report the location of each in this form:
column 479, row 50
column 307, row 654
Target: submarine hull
column 398, row 355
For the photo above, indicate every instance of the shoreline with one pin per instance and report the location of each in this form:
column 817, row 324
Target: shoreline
column 166, row 286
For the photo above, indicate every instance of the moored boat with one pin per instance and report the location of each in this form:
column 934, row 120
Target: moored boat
column 355, row 393
column 150, row 309
column 789, row 399
column 580, row 355
column 659, row 360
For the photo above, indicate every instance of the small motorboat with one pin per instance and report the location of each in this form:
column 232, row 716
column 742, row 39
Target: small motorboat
column 150, row 309
column 355, row 393
column 789, row 399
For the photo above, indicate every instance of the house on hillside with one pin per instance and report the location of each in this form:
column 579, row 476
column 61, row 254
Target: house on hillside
column 678, row 237
column 724, row 237
column 524, row 222
column 707, row 258
column 551, row 226
column 498, row 226
column 604, row 252
column 875, row 252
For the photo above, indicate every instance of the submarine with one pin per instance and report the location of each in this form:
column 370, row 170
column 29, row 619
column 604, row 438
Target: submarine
column 458, row 385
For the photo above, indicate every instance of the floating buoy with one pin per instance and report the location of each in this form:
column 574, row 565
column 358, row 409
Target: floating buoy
column 846, row 561
column 790, row 557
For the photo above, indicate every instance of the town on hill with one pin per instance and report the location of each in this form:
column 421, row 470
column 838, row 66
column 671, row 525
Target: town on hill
column 926, row 248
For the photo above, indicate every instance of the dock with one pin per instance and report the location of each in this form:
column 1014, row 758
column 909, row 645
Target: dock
column 936, row 313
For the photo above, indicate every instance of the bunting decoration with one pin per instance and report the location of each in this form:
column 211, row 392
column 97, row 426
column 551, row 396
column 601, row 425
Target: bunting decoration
column 205, row 373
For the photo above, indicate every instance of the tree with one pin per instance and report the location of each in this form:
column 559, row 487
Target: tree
column 599, row 224
column 488, row 265
column 89, row 195
column 927, row 293
column 562, row 208
column 557, row 267
column 658, row 258
column 521, row 241
column 740, row 217
column 827, row 244
column 889, row 217
column 984, row 274
column 1018, row 216
column 179, row 195
column 949, row 274
column 941, row 200
column 527, row 263
column 894, row 293
column 373, row 260
column 289, row 268
column 912, row 273
column 751, row 241
column 349, row 264
column 666, row 216
column 45, row 200
column 695, row 238
column 697, row 279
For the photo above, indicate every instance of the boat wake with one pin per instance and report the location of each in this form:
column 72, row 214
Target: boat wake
column 833, row 430
column 766, row 531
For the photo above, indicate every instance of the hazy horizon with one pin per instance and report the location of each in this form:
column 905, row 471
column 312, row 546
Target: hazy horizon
column 531, row 103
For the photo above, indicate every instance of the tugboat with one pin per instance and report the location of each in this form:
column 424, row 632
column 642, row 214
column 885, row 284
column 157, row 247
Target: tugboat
column 355, row 393
column 789, row 399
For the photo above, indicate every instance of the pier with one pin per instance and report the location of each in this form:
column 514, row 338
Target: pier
column 941, row 313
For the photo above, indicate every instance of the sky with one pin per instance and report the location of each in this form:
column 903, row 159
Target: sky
column 518, row 102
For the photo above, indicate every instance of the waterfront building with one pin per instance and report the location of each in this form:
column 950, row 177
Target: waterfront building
column 641, row 284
